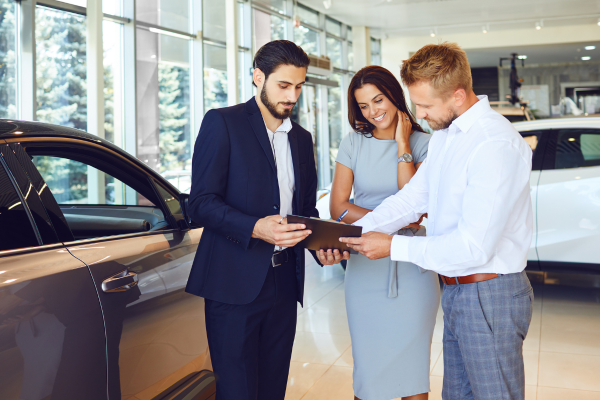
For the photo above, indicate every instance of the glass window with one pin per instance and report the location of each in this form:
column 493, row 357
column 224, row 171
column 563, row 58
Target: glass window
column 308, row 114
column 215, row 77
column 375, row 51
column 307, row 15
column 213, row 16
column 80, row 3
column 532, row 138
column 334, row 51
column 334, row 27
column 277, row 5
column 12, row 214
column 72, row 182
column 61, row 68
column 308, row 39
column 267, row 27
column 112, row 7
column 172, row 14
column 334, row 105
column 163, row 98
column 113, row 83
column 8, row 84
column 350, row 56
column 577, row 148
column 349, row 33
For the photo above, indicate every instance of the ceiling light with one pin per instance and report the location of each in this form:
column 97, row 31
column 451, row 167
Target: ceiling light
column 484, row 29
column 431, row 33
column 522, row 57
column 586, row 58
column 598, row 21
column 571, row 139
column 538, row 26
column 590, row 47
column 327, row 4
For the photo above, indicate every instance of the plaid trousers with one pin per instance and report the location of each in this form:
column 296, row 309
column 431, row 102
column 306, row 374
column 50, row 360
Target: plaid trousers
column 485, row 324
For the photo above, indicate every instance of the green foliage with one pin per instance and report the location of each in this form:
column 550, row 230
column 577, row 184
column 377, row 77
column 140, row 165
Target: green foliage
column 8, row 84
column 173, row 116
column 61, row 68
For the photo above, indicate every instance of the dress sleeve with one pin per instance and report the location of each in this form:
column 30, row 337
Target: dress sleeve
column 421, row 145
column 344, row 155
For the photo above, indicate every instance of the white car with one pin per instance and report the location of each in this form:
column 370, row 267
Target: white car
column 565, row 193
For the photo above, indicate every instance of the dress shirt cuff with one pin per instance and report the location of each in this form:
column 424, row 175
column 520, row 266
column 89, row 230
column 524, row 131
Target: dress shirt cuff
column 399, row 249
column 365, row 223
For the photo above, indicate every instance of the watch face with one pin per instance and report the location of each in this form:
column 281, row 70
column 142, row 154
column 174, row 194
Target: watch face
column 407, row 157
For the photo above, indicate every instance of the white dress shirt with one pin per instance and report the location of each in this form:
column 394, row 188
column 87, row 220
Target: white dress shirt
column 475, row 186
column 285, row 168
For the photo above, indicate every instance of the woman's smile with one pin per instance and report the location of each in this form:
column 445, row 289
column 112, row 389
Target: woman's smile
column 380, row 118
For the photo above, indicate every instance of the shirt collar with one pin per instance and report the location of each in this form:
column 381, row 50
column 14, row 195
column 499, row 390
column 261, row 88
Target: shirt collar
column 468, row 118
column 285, row 126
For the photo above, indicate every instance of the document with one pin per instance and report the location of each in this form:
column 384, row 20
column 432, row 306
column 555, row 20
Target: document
column 325, row 234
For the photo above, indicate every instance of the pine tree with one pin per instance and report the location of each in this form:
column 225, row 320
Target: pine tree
column 173, row 115
column 8, row 84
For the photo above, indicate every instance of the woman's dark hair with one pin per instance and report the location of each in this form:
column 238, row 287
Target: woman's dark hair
column 279, row 52
column 388, row 85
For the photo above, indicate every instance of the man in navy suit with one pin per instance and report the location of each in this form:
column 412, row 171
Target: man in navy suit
column 252, row 167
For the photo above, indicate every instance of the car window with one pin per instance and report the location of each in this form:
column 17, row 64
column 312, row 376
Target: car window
column 577, row 148
column 533, row 138
column 96, row 204
column 17, row 230
column 73, row 182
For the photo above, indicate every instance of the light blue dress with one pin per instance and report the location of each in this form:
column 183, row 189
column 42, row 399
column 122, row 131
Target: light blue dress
column 391, row 306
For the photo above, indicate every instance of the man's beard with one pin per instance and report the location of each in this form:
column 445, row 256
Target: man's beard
column 445, row 123
column 272, row 107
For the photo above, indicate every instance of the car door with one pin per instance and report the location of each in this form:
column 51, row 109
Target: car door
column 569, row 202
column 125, row 226
column 537, row 140
column 52, row 342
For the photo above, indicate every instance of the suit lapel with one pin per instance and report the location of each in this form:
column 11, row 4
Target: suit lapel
column 293, row 139
column 260, row 130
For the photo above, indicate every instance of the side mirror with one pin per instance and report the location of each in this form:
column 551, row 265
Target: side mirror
column 183, row 202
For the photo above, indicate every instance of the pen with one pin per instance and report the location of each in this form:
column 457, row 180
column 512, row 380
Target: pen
column 342, row 216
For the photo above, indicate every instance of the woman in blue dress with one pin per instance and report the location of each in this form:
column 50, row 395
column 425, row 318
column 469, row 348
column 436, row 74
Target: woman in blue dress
column 391, row 306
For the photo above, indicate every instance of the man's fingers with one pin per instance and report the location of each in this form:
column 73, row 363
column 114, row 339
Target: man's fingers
column 290, row 227
column 351, row 240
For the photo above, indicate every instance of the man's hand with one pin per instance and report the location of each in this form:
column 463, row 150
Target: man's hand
column 281, row 234
column 331, row 257
column 373, row 245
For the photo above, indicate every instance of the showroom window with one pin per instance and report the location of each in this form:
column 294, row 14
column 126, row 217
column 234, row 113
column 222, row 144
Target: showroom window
column 112, row 37
column 61, row 74
column 375, row 51
column 335, row 119
column 8, row 82
column 308, row 39
column 215, row 76
column 163, row 87
column 267, row 27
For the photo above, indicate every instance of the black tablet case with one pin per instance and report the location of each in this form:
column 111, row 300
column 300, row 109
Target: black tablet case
column 325, row 234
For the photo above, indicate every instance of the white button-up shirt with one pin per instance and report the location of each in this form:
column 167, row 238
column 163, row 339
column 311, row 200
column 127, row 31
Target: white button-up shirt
column 475, row 186
column 285, row 168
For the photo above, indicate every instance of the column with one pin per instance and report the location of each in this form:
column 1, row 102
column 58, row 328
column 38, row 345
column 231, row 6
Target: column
column 361, row 44
column 26, row 79
column 231, row 41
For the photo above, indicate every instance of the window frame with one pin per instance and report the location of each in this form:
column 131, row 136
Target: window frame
column 539, row 156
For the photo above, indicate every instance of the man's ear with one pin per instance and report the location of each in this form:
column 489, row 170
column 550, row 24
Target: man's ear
column 258, row 77
column 460, row 96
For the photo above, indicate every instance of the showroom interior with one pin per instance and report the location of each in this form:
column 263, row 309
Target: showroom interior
column 141, row 74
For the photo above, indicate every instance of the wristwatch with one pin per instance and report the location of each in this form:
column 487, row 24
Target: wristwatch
column 406, row 157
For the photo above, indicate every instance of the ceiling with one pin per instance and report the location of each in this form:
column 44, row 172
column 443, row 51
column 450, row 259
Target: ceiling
column 418, row 17
column 541, row 54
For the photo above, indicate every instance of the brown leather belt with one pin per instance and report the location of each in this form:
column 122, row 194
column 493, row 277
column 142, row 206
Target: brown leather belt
column 467, row 279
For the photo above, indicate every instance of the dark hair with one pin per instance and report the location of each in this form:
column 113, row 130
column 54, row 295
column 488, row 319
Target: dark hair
column 279, row 52
column 388, row 85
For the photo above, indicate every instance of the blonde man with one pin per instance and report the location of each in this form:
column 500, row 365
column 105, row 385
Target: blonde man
column 475, row 187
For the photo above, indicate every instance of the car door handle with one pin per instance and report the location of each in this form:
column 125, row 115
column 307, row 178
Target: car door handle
column 120, row 282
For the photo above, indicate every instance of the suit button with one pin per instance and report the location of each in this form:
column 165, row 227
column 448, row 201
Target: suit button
column 276, row 207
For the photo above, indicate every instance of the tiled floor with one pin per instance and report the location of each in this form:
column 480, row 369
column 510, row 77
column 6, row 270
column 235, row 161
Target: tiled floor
column 562, row 349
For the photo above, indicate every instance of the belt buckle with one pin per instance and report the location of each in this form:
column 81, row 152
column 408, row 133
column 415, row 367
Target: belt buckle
column 273, row 259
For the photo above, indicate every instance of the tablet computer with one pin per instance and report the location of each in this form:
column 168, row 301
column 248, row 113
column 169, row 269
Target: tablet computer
column 325, row 234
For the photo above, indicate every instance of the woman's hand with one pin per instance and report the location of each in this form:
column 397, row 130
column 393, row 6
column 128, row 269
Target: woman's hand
column 403, row 129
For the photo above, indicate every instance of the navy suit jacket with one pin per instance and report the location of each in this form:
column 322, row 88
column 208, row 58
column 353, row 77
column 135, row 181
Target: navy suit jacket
column 234, row 184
